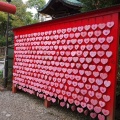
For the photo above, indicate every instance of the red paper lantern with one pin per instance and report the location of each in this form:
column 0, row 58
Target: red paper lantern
column 6, row 7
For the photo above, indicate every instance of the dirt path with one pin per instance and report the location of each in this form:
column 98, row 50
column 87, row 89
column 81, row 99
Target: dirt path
column 22, row 106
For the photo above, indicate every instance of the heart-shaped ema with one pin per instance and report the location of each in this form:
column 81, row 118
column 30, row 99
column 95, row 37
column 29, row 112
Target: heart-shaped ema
column 80, row 28
column 106, row 98
column 87, row 27
column 77, row 103
column 101, row 117
column 102, row 104
column 94, row 101
column 91, row 80
column 106, row 32
column 109, row 54
column 101, row 25
column 93, row 115
column 90, row 34
column 107, row 83
column 97, row 109
column 94, row 26
column 110, row 24
column 110, row 39
column 80, row 110
column 97, row 33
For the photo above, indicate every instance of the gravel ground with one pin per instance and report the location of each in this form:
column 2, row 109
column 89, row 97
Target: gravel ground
column 22, row 106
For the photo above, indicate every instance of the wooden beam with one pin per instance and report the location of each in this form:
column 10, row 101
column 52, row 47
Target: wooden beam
column 47, row 103
column 14, row 89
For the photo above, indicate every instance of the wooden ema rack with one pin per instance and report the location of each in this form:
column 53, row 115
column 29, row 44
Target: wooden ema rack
column 72, row 59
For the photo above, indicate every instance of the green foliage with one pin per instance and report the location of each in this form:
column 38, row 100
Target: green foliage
column 95, row 4
column 1, row 74
column 37, row 4
column 2, row 41
column 21, row 18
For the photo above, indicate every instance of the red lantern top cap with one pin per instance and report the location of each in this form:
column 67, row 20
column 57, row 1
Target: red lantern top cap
column 6, row 7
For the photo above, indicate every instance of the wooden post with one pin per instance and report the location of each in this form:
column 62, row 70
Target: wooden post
column 47, row 103
column 14, row 89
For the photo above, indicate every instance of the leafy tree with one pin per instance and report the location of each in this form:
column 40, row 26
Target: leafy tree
column 21, row 18
column 37, row 4
column 89, row 5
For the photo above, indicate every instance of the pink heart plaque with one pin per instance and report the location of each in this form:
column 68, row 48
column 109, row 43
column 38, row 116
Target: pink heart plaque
column 81, row 72
column 106, row 98
column 81, row 85
column 77, row 90
column 86, row 99
column 97, row 33
column 109, row 54
column 101, row 25
column 94, row 101
column 104, row 61
column 87, row 27
column 83, row 104
column 103, row 89
column 100, row 53
column 82, row 47
column 77, row 103
column 99, row 81
column 80, row 98
column 62, row 104
column 88, row 60
column 97, row 109
column 86, row 40
column 99, row 68
column 92, row 67
column 89, row 47
column 83, row 34
column 107, row 83
column 85, row 53
column 110, row 39
column 82, row 60
column 103, row 75
column 98, row 95
column 101, row 40
column 83, row 91
column 91, row 93
column 101, row 117
column 85, row 66
column 80, row 28
column 91, row 80
column 80, row 110
column 87, row 86
column 80, row 41
column 110, row 24
column 105, row 46
column 93, row 40
column 96, row 60
column 95, row 87
column 106, row 32
column 107, row 68
column 93, row 53
column 77, row 35
column 94, row 26
column 93, row 115
column 105, row 112
column 90, row 107
column 102, row 104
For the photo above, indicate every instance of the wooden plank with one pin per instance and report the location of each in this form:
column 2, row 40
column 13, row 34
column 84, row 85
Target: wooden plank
column 47, row 103
column 14, row 89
